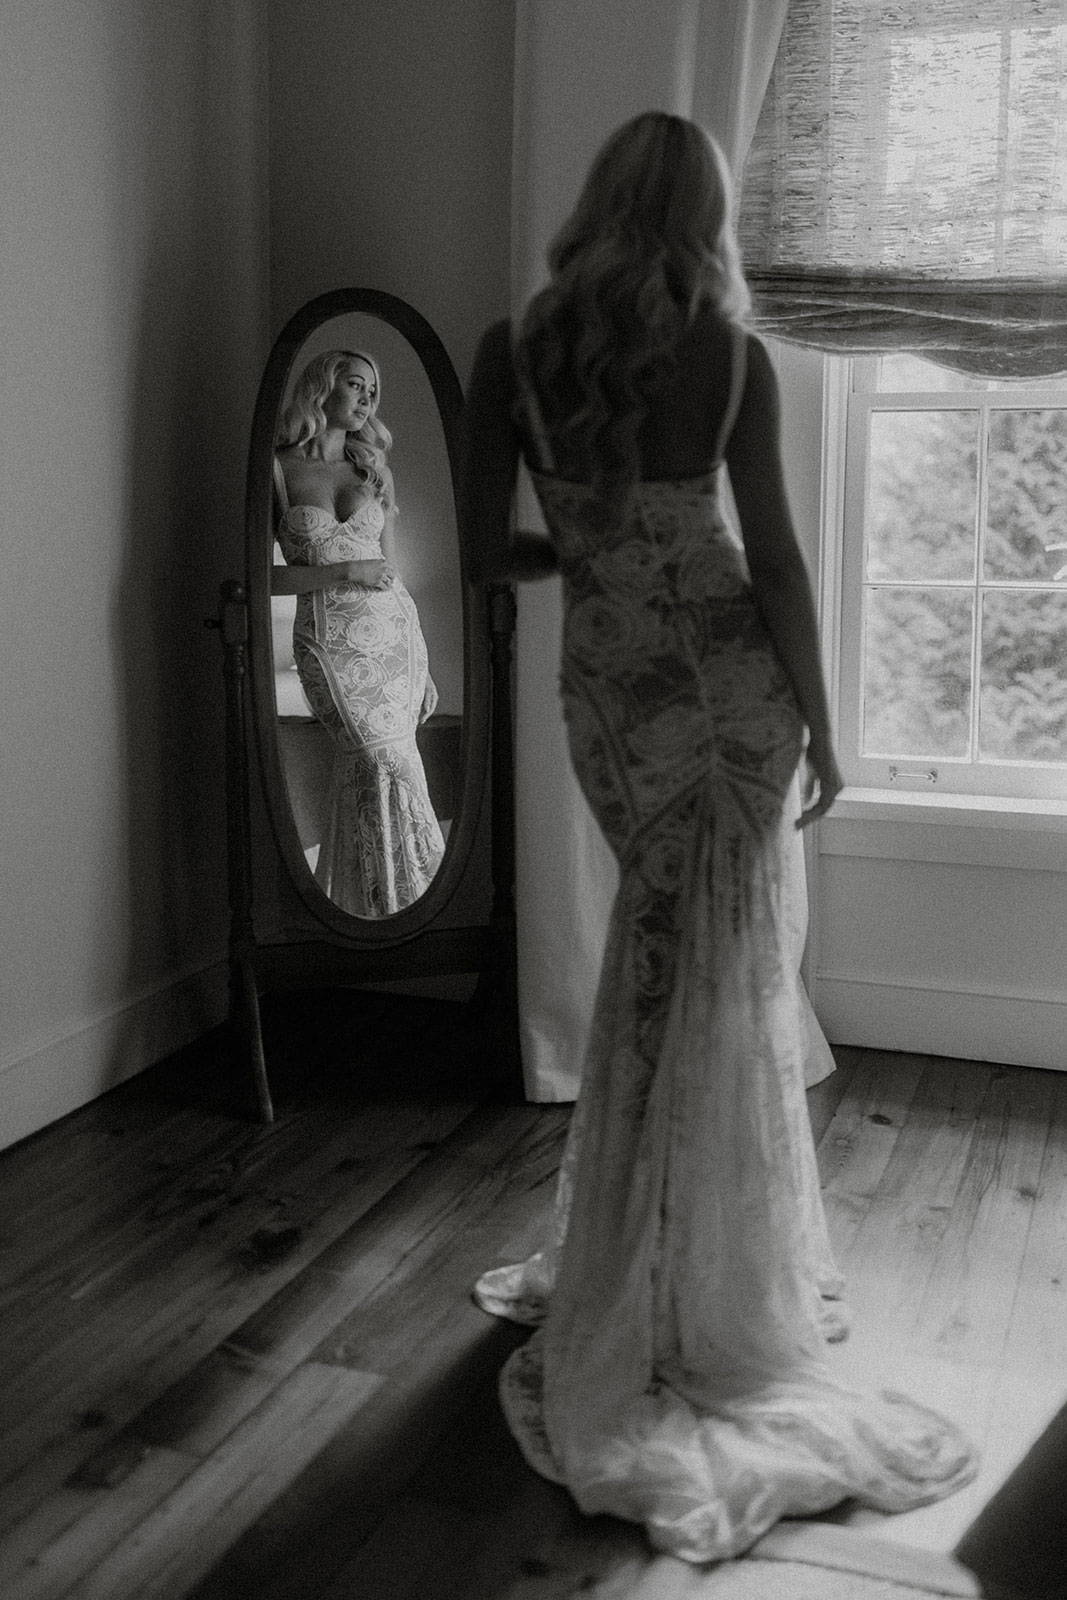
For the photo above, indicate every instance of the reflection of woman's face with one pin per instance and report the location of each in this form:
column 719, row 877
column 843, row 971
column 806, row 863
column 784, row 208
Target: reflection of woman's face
column 353, row 396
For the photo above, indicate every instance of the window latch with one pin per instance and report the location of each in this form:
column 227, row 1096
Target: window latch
column 924, row 774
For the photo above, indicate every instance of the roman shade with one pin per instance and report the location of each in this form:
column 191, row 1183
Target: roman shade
column 906, row 188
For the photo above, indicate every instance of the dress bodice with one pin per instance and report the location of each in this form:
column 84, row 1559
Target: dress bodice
column 313, row 536
column 674, row 544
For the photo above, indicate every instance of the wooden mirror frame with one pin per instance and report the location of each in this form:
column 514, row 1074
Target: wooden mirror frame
column 324, row 945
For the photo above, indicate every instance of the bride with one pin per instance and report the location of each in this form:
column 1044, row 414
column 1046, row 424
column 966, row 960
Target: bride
column 680, row 1376
column 357, row 642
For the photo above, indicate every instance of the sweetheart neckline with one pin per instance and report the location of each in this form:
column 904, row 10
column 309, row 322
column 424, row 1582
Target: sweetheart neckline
column 340, row 522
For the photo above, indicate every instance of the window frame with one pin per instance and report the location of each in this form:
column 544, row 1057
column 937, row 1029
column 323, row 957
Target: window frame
column 849, row 397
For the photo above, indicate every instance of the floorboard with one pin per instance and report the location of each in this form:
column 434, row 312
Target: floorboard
column 245, row 1361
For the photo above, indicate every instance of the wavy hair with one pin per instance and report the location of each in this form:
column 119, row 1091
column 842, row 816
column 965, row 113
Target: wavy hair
column 304, row 418
column 649, row 244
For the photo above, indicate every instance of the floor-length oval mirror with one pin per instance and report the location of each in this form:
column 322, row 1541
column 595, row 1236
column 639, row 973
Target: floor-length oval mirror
column 368, row 655
column 369, row 666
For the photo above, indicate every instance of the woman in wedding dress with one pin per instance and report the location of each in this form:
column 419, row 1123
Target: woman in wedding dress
column 680, row 1376
column 357, row 643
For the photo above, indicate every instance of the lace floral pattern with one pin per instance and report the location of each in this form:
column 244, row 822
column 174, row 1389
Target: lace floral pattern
column 679, row 1376
column 363, row 666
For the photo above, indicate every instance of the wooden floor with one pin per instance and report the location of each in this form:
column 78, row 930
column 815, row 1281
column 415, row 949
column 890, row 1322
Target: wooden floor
column 243, row 1361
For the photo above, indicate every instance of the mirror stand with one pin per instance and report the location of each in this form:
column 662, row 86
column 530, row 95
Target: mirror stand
column 370, row 806
column 257, row 966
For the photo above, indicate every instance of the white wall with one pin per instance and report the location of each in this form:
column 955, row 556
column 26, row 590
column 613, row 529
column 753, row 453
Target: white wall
column 390, row 169
column 390, row 133
column 135, row 253
column 944, row 936
column 132, row 324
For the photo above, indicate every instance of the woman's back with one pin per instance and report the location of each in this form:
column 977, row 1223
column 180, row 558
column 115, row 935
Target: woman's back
column 680, row 434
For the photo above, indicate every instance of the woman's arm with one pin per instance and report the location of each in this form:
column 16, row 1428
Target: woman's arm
column 489, row 460
column 300, row 579
column 779, row 577
column 388, row 540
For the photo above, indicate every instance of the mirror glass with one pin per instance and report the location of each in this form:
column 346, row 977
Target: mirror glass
column 368, row 649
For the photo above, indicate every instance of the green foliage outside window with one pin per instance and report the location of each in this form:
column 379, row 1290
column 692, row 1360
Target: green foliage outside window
column 941, row 560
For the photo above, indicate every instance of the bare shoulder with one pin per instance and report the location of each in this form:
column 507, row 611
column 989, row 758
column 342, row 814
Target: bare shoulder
column 758, row 361
column 709, row 336
column 706, row 360
column 759, row 399
column 713, row 338
column 753, row 448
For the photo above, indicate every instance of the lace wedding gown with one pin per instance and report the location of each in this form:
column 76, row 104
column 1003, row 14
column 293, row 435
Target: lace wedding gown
column 680, row 1377
column 362, row 663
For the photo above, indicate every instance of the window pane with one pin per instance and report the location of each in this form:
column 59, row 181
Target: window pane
column 917, row 672
column 1026, row 524
column 907, row 374
column 922, row 495
column 903, row 373
column 1023, row 704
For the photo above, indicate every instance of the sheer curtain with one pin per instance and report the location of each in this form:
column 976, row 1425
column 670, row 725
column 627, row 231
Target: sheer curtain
column 906, row 187
column 583, row 67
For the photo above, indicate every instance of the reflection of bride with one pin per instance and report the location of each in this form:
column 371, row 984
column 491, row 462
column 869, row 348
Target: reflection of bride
column 357, row 643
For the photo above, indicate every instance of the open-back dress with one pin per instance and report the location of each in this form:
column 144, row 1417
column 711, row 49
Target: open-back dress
column 680, row 1376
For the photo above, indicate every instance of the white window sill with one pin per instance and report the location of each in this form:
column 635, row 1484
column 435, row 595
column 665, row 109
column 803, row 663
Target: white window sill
column 947, row 810
column 980, row 831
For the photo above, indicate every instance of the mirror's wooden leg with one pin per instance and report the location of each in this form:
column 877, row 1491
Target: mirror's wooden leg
column 245, row 1028
column 247, row 1033
column 497, row 997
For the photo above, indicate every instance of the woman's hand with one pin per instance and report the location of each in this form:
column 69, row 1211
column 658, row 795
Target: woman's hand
column 822, row 783
column 429, row 699
column 372, row 574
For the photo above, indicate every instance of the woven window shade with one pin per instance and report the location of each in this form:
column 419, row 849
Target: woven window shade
column 906, row 188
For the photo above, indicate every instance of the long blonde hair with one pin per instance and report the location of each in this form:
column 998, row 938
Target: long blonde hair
column 304, row 417
column 649, row 244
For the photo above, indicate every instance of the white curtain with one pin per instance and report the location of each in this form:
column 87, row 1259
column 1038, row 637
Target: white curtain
column 583, row 67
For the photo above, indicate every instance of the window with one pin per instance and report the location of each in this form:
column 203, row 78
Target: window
column 904, row 202
column 952, row 661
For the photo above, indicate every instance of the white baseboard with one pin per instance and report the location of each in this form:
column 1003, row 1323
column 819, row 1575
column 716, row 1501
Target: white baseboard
column 930, row 1019
column 47, row 1078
